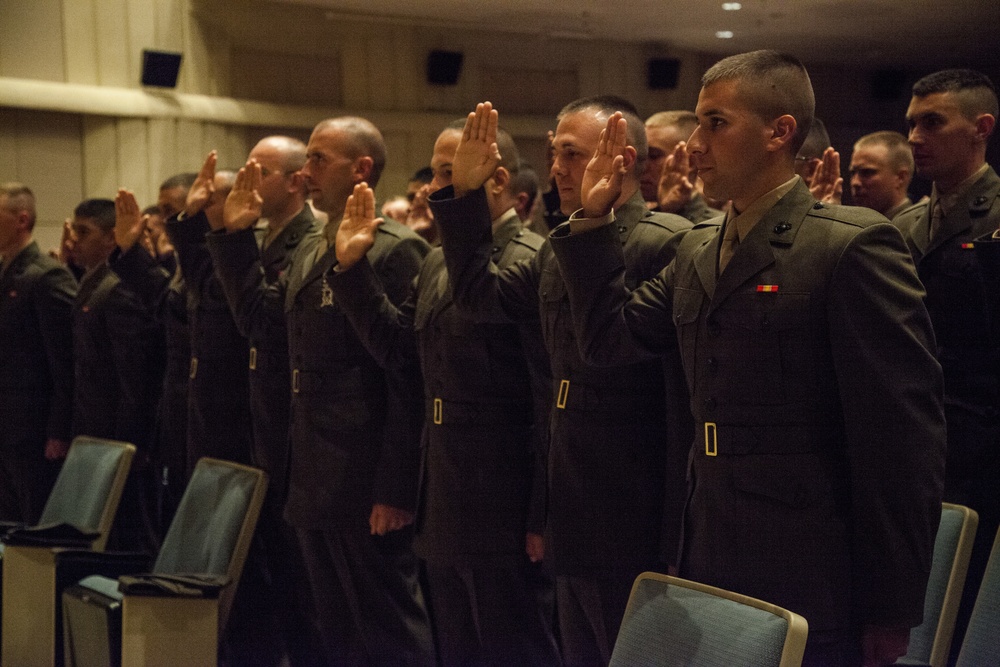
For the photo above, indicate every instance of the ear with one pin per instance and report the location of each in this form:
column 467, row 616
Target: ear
column 296, row 182
column 984, row 126
column 782, row 130
column 363, row 168
column 629, row 156
column 500, row 179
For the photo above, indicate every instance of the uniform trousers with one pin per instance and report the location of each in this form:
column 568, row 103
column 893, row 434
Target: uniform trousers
column 590, row 612
column 488, row 614
column 369, row 605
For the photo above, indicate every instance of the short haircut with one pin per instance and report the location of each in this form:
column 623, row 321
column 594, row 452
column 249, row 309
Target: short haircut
column 423, row 175
column 683, row 120
column 19, row 198
column 607, row 105
column 152, row 209
column 525, row 180
column 363, row 140
column 975, row 92
column 772, row 84
column 185, row 180
column 292, row 151
column 101, row 211
column 817, row 141
column 510, row 157
column 898, row 150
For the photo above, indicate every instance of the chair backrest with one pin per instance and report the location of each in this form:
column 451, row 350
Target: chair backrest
column 89, row 486
column 981, row 645
column 931, row 640
column 214, row 523
column 673, row 621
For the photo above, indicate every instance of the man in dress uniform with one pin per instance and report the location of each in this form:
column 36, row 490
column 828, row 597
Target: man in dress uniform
column 355, row 428
column 952, row 115
column 36, row 360
column 615, row 490
column 817, row 470
column 487, row 390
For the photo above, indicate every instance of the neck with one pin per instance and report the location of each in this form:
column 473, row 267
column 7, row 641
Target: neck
column 766, row 181
column 281, row 219
column 948, row 184
column 15, row 247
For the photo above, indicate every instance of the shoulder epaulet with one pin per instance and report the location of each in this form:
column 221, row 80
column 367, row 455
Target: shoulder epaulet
column 668, row 221
column 711, row 222
column 856, row 216
column 396, row 230
column 528, row 238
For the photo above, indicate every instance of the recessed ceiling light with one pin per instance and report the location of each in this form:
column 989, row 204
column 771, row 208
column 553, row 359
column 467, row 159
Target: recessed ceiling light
column 724, row 34
column 732, row 6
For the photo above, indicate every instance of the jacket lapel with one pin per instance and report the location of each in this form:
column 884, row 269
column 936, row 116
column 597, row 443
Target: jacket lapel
column 779, row 226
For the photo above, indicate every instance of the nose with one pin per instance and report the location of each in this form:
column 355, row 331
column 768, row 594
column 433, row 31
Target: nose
column 914, row 137
column 855, row 179
column 694, row 143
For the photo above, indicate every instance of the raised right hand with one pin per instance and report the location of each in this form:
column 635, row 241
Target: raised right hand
column 129, row 222
column 477, row 156
column 356, row 234
column 203, row 187
column 243, row 205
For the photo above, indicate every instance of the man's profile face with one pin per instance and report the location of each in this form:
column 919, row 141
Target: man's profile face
column 729, row 143
column 91, row 244
column 574, row 144
column 172, row 201
column 444, row 155
column 329, row 171
column 874, row 184
column 662, row 141
column 275, row 185
column 940, row 134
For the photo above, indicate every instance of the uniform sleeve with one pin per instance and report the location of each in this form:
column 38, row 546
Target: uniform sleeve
column 399, row 462
column 258, row 307
column 140, row 273
column 385, row 329
column 480, row 288
column 890, row 388
column 54, row 303
column 133, row 346
column 614, row 327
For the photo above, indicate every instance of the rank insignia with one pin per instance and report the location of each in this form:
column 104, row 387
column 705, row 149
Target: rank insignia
column 326, row 295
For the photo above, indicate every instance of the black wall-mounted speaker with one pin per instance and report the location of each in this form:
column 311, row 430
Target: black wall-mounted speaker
column 662, row 73
column 443, row 67
column 160, row 68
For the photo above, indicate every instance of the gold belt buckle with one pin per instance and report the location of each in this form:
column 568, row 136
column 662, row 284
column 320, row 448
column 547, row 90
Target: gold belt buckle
column 295, row 381
column 563, row 394
column 438, row 410
column 253, row 358
column 711, row 440
column 194, row 368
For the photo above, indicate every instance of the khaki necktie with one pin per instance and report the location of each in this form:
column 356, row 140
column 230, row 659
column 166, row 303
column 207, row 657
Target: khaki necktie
column 730, row 241
column 937, row 215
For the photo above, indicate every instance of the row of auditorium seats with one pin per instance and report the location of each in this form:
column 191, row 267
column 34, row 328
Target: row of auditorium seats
column 65, row 601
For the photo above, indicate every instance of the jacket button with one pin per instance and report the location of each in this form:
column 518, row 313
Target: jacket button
column 980, row 200
column 818, row 205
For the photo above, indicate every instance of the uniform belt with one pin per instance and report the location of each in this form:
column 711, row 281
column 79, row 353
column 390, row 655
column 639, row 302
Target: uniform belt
column 304, row 382
column 729, row 440
column 440, row 411
column 263, row 359
column 576, row 396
